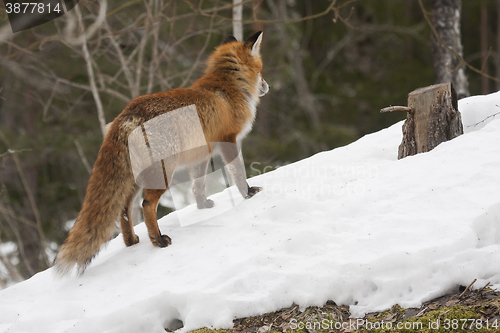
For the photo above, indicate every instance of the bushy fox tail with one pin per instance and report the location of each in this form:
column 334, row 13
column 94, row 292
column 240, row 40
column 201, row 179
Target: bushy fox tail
column 111, row 183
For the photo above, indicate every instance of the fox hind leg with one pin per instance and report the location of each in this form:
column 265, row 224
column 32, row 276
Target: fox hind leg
column 149, row 205
column 126, row 221
column 198, row 174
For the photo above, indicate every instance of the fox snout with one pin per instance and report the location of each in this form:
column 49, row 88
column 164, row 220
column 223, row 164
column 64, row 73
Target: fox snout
column 263, row 87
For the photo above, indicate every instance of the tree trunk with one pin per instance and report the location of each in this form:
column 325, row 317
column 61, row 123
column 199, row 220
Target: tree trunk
column 433, row 118
column 498, row 45
column 237, row 20
column 446, row 20
column 485, row 89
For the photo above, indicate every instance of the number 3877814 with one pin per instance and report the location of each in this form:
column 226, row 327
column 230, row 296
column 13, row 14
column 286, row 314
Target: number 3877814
column 31, row 8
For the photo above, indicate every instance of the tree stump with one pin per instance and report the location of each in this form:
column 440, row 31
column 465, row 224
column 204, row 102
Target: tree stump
column 432, row 118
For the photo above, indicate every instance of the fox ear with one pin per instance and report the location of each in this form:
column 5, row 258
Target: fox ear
column 254, row 41
column 229, row 39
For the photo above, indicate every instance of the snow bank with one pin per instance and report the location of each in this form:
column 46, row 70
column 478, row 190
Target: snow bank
column 477, row 111
column 353, row 225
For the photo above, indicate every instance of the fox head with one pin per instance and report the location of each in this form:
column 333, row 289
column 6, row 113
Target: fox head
column 243, row 62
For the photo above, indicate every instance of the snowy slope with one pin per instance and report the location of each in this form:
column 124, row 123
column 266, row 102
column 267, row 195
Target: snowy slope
column 353, row 225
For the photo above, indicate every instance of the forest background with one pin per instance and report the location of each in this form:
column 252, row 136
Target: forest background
column 331, row 66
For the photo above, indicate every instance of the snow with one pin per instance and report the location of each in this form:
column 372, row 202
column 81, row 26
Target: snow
column 8, row 250
column 353, row 225
column 475, row 109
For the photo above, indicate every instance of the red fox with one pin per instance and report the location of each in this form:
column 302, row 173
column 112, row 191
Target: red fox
column 225, row 99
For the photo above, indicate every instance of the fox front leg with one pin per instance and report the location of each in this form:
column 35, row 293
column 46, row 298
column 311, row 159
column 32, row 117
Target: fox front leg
column 230, row 154
column 253, row 191
column 126, row 223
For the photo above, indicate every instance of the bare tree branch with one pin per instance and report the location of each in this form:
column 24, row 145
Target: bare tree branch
column 202, row 51
column 13, row 272
column 90, row 71
column 20, row 242
column 31, row 199
column 449, row 49
column 109, row 91
column 140, row 58
column 124, row 63
column 83, row 35
column 153, row 64
column 9, row 212
column 82, row 156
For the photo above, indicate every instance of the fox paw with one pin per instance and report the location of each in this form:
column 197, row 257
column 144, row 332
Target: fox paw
column 165, row 241
column 206, row 204
column 136, row 239
column 162, row 241
column 253, row 191
column 132, row 241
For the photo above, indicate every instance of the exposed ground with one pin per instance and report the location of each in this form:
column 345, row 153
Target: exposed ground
column 464, row 311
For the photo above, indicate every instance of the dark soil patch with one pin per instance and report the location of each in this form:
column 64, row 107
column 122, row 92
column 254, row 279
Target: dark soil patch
column 463, row 311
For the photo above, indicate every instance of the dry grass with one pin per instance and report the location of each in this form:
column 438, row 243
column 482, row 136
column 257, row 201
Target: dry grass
column 463, row 311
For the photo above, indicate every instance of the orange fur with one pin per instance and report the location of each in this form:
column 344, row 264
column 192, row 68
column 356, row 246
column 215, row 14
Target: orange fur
column 225, row 98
